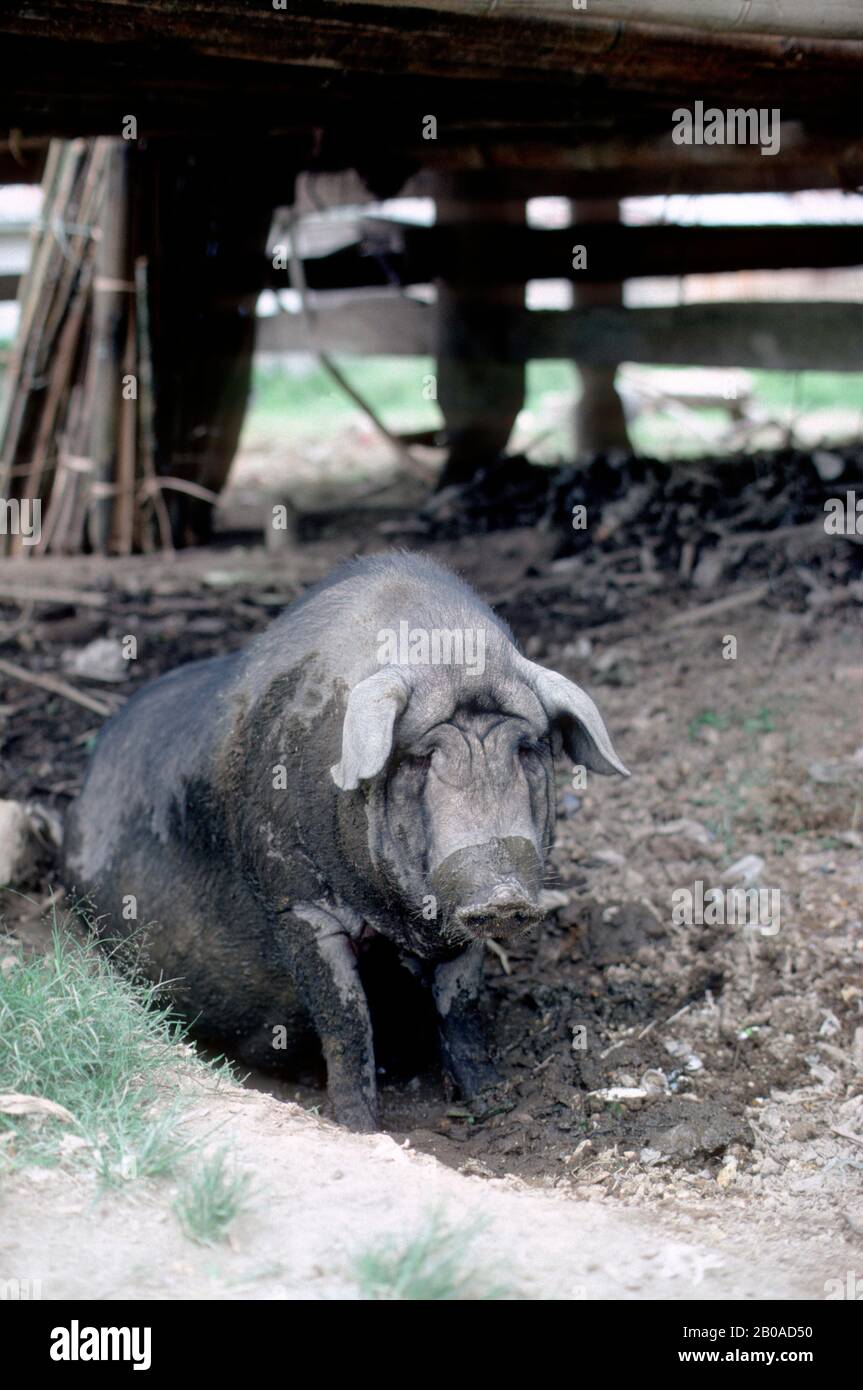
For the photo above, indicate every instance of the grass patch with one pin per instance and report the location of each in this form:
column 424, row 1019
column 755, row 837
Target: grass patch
column 75, row 1032
column 305, row 394
column 211, row 1199
column 433, row 1264
column 302, row 394
column 763, row 721
column 298, row 395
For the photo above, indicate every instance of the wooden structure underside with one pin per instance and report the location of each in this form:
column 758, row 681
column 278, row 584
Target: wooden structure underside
column 513, row 84
column 480, row 104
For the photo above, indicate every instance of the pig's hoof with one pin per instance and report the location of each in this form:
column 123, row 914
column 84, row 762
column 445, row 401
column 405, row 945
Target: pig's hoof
column 473, row 1078
column 356, row 1116
column 493, row 1099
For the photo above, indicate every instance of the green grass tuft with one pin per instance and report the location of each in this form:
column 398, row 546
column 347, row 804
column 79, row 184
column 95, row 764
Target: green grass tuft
column 212, row 1198
column 430, row 1265
column 75, row 1032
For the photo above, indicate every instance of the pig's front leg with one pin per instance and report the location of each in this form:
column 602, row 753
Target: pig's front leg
column 323, row 966
column 465, row 1056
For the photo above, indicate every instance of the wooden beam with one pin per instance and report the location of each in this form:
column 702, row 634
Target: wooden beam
column 629, row 165
column 798, row 336
column 550, row 43
column 22, row 160
column 372, row 324
column 833, row 19
column 508, row 254
column 398, row 254
column 837, row 19
column 787, row 337
column 609, row 166
column 516, row 254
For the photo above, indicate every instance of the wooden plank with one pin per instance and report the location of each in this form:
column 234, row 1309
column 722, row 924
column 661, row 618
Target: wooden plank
column 607, row 167
column 401, row 254
column 794, row 336
column 512, row 255
column 786, row 337
column 630, row 165
column 376, row 324
column 838, row 19
column 452, row 41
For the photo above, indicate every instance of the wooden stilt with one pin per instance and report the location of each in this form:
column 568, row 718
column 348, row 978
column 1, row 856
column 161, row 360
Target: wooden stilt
column 479, row 392
column 599, row 421
column 197, row 225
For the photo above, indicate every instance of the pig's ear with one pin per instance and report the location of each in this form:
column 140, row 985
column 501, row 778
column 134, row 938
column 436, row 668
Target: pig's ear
column 367, row 735
column 585, row 736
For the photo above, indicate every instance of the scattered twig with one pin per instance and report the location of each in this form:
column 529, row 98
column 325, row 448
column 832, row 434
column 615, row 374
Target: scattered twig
column 77, row 598
column 720, row 605
column 55, row 686
column 844, row 1134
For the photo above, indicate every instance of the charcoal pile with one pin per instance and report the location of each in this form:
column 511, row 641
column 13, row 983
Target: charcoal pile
column 704, row 520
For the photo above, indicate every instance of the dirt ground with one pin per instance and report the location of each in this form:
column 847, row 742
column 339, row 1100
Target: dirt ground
column 321, row 1195
column 683, row 1110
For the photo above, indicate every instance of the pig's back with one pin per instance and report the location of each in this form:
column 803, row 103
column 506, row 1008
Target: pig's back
column 146, row 756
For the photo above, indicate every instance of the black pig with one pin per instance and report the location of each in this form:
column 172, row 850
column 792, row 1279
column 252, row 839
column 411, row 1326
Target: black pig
column 379, row 760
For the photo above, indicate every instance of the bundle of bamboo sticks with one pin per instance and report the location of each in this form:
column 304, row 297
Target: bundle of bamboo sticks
column 76, row 429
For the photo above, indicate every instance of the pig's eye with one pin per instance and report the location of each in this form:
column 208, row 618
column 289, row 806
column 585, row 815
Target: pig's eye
column 417, row 762
column 529, row 752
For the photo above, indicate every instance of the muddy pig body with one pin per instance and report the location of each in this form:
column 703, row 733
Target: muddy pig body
column 379, row 760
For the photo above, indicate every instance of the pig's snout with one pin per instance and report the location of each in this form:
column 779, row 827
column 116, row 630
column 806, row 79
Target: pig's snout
column 506, row 911
column 491, row 889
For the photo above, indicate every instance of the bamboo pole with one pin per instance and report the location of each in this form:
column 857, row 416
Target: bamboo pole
column 110, row 303
column 124, row 511
column 34, row 297
column 146, row 413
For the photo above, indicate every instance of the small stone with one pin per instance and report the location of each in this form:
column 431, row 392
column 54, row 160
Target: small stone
column 852, row 838
column 550, row 899
column 619, row 1094
column 802, row 1130
column 101, row 660
column 654, row 1082
column 828, row 465
column 15, row 842
column 609, row 857
column 745, row 871
column 727, row 1173
column 708, row 571
column 826, row 774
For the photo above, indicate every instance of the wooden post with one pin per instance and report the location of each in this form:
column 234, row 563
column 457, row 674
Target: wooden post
column 599, row 422
column 205, row 211
column 480, row 392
